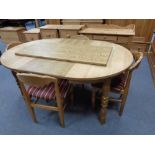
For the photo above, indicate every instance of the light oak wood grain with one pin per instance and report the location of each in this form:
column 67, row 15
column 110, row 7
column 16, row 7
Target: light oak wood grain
column 143, row 27
column 82, row 20
column 86, row 54
column 9, row 28
column 71, row 27
column 119, row 61
column 49, row 26
column 12, row 34
column 87, row 22
column 62, row 27
column 32, row 34
column 67, row 31
column 31, row 31
column 109, row 30
column 62, row 31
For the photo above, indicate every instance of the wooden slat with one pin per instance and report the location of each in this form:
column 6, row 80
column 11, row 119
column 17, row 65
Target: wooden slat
column 45, row 107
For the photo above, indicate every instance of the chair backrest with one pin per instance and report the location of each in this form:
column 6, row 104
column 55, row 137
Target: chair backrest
column 138, row 56
column 35, row 80
column 137, row 60
column 13, row 44
column 81, row 37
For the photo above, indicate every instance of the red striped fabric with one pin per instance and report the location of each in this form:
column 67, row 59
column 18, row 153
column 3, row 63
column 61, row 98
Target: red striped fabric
column 117, row 84
column 47, row 92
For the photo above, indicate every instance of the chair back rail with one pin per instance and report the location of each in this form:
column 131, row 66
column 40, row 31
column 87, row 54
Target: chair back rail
column 138, row 56
column 40, row 81
column 36, row 80
column 13, row 44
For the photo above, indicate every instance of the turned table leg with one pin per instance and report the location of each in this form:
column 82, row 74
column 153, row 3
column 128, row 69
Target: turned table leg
column 104, row 100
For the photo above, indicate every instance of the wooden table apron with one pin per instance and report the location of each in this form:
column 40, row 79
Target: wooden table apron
column 120, row 59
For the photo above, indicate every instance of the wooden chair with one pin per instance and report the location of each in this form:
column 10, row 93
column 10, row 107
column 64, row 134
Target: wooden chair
column 11, row 45
column 43, row 87
column 120, row 84
column 81, row 37
column 20, row 85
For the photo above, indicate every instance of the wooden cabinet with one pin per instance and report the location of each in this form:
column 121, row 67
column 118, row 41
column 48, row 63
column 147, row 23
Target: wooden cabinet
column 53, row 21
column 86, row 22
column 49, row 31
column 33, row 34
column 138, row 44
column 123, row 39
column 12, row 34
column 62, row 31
column 124, row 36
column 112, row 33
column 89, row 36
column 66, row 31
column 105, row 37
column 47, row 34
column 137, row 47
column 70, row 21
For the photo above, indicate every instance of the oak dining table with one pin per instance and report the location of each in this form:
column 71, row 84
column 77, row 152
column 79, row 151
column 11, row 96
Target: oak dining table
column 84, row 61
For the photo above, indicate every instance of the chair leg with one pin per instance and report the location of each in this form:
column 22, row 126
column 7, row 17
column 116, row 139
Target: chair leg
column 33, row 115
column 27, row 100
column 124, row 97
column 93, row 98
column 61, row 116
column 32, row 112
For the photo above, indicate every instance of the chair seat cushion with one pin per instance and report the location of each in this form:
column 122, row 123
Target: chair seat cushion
column 47, row 92
column 117, row 84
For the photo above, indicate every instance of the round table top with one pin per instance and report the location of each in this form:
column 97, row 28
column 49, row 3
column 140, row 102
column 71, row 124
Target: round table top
column 120, row 59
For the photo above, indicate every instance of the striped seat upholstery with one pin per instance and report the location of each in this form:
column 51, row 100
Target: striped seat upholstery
column 117, row 84
column 47, row 92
